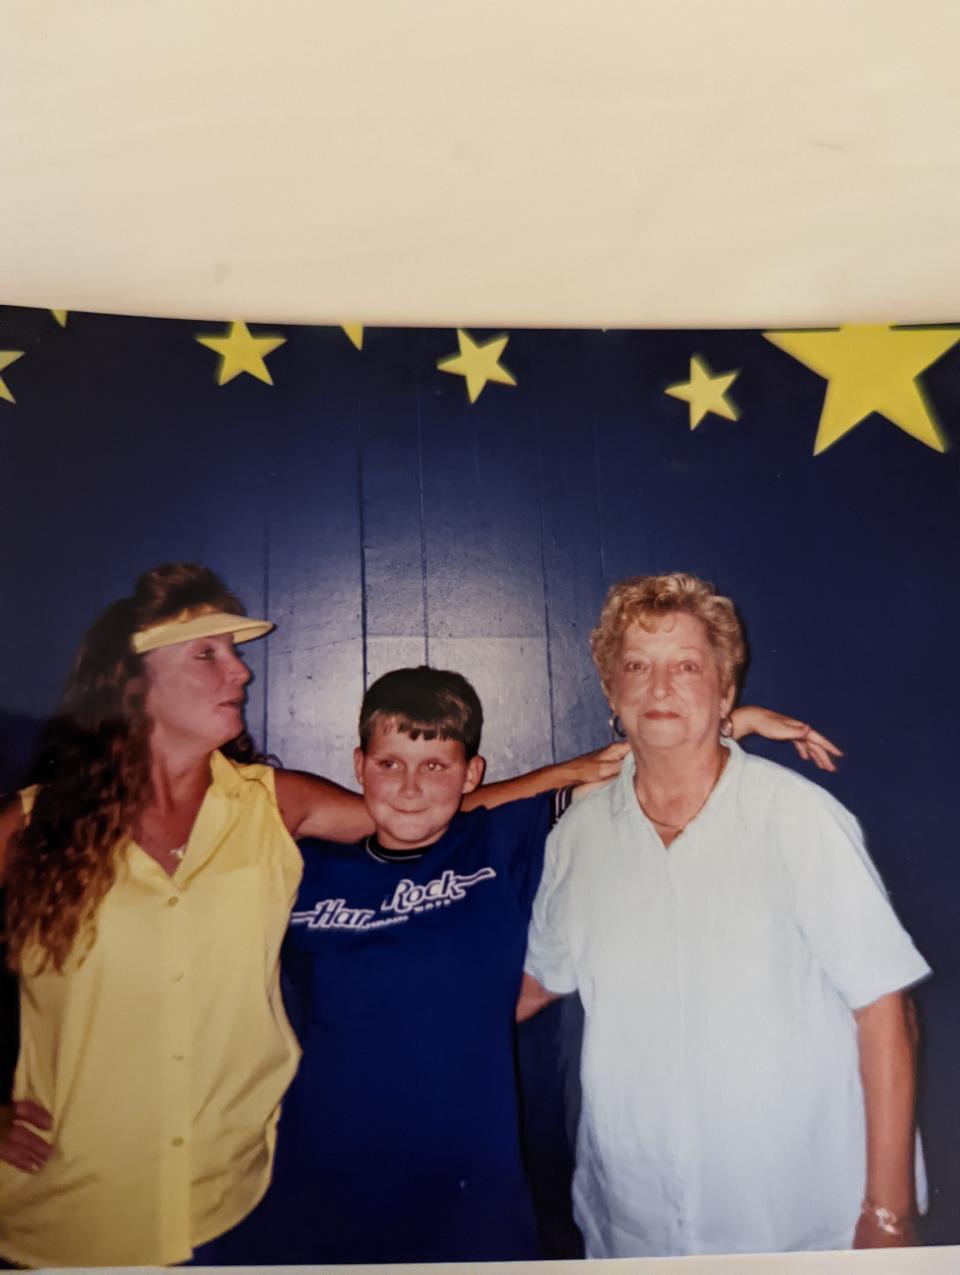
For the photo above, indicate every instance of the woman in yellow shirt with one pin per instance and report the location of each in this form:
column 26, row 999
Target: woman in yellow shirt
column 148, row 881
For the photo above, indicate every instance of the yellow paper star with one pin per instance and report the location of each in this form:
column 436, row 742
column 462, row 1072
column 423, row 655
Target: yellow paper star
column 6, row 358
column 706, row 392
column 241, row 352
column 478, row 363
column 355, row 332
column 60, row 316
column 871, row 368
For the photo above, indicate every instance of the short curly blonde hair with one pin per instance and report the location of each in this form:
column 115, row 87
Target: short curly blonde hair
column 648, row 599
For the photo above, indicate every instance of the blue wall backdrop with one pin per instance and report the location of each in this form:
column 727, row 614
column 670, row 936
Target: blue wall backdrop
column 381, row 519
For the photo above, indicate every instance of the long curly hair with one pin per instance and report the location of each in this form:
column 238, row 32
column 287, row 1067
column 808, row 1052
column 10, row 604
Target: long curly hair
column 93, row 772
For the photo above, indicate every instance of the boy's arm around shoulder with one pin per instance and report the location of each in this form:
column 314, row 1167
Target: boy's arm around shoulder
column 597, row 767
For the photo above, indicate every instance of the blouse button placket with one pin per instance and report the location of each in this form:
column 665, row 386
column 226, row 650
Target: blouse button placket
column 175, row 1076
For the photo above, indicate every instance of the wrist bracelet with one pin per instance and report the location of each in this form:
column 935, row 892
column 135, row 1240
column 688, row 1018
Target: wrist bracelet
column 886, row 1219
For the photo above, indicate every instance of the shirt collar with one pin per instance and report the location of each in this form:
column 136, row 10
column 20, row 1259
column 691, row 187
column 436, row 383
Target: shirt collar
column 225, row 775
column 623, row 799
column 622, row 796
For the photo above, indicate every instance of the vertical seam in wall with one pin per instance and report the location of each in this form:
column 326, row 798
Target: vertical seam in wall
column 265, row 716
column 543, row 564
column 423, row 531
column 362, row 532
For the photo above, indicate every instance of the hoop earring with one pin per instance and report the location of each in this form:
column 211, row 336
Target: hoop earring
column 616, row 727
column 726, row 727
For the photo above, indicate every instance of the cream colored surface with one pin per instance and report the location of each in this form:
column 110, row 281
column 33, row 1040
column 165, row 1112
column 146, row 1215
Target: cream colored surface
column 928, row 1261
column 917, row 1261
column 762, row 162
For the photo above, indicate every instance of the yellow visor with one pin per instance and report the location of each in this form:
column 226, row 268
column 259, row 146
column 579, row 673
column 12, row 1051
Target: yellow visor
column 190, row 625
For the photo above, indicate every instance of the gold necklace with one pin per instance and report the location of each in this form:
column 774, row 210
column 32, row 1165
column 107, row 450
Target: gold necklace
column 174, row 852
column 679, row 827
column 674, row 827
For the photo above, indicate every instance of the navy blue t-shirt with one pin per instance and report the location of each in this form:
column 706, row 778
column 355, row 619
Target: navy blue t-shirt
column 399, row 1137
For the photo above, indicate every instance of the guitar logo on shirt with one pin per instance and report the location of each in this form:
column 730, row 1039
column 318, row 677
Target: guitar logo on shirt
column 449, row 887
column 408, row 898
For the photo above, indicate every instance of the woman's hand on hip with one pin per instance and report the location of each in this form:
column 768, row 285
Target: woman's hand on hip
column 19, row 1145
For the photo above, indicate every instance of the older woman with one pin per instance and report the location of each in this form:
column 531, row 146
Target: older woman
column 748, row 1057
column 149, row 876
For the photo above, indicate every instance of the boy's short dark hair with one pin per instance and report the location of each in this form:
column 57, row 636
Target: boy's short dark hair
column 424, row 703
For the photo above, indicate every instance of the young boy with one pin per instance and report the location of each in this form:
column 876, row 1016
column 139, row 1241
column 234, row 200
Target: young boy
column 399, row 1138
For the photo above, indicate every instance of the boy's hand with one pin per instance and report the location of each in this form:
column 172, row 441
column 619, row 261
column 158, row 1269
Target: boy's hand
column 809, row 743
column 581, row 773
column 591, row 770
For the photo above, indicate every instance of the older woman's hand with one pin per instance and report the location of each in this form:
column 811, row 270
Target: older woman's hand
column 809, row 743
column 19, row 1145
column 870, row 1234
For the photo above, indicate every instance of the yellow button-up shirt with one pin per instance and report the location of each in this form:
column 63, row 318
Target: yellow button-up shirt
column 164, row 1054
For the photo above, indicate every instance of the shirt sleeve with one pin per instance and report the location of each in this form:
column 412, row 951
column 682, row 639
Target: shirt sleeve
column 842, row 907
column 548, row 958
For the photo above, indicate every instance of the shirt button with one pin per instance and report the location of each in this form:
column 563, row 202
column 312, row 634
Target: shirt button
column 176, row 1142
column 178, row 1057
column 172, row 903
column 178, row 978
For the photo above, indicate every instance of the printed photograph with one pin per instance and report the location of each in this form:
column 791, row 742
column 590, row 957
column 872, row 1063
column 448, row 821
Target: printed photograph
column 476, row 795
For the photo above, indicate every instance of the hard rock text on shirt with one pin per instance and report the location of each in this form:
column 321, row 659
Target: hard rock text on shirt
column 408, row 898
